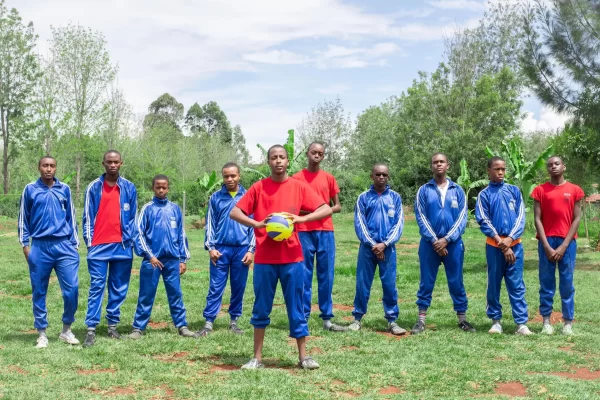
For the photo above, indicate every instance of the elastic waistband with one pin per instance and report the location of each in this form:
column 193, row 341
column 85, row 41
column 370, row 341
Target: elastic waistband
column 49, row 239
column 493, row 243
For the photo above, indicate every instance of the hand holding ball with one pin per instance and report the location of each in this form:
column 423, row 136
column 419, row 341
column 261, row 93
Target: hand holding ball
column 280, row 227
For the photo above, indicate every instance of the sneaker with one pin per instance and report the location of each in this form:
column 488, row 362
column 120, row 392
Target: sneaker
column 90, row 338
column 308, row 363
column 523, row 330
column 253, row 364
column 547, row 329
column 354, row 326
column 396, row 330
column 330, row 326
column 496, row 328
column 68, row 337
column 567, row 329
column 466, row 326
column 205, row 332
column 418, row 328
column 42, row 342
column 185, row 332
column 136, row 334
column 235, row 329
column 113, row 334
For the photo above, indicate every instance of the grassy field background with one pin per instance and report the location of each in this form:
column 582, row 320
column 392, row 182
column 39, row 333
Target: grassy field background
column 441, row 363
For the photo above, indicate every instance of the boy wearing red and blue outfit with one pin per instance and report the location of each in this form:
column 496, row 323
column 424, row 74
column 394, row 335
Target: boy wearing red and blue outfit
column 279, row 261
column 557, row 209
column 378, row 223
column 317, row 238
column 231, row 248
column 47, row 218
column 500, row 213
column 109, row 230
column 441, row 213
column 163, row 245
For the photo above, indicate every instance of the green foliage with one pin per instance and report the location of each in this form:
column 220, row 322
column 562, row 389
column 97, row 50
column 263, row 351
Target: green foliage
column 464, row 180
column 207, row 185
column 520, row 172
column 296, row 156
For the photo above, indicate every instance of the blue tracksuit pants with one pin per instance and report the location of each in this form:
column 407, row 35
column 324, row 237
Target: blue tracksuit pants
column 322, row 245
column 499, row 269
column 292, row 283
column 149, row 277
column 566, row 268
column 365, row 273
column 44, row 256
column 229, row 264
column 114, row 261
column 429, row 262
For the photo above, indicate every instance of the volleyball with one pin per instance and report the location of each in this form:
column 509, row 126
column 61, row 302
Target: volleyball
column 280, row 227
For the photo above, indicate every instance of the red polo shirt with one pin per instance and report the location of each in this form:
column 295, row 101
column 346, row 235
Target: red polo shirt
column 557, row 204
column 324, row 184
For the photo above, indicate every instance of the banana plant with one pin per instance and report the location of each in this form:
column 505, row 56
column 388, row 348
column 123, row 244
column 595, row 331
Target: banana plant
column 464, row 180
column 523, row 173
column 208, row 184
column 297, row 157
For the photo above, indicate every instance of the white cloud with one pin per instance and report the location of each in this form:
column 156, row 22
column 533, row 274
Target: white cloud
column 356, row 57
column 280, row 57
column 334, row 89
column 471, row 5
column 549, row 120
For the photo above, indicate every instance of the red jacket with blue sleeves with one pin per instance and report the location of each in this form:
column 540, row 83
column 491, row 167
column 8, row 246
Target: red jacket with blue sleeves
column 220, row 228
column 378, row 218
column 437, row 221
column 47, row 213
column 160, row 231
column 500, row 210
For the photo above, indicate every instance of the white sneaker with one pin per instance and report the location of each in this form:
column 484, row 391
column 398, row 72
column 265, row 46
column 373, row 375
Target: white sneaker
column 547, row 329
column 354, row 326
column 253, row 364
column 523, row 330
column 496, row 328
column 567, row 330
column 68, row 337
column 42, row 342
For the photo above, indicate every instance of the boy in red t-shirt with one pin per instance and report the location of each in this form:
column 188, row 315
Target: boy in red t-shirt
column 278, row 261
column 557, row 210
column 317, row 238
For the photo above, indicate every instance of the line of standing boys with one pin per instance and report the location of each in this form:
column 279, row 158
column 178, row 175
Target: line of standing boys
column 111, row 232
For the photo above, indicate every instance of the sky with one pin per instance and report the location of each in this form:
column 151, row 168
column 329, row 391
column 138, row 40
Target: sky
column 267, row 63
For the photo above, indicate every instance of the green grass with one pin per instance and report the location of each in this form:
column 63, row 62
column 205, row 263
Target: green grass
column 441, row 363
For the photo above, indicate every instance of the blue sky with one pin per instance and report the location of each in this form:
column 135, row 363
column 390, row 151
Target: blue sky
column 268, row 62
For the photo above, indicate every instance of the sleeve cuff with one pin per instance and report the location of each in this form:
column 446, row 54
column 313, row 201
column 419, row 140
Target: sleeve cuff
column 211, row 248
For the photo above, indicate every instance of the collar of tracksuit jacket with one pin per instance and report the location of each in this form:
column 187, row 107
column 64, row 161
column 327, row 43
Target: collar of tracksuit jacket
column 386, row 191
column 432, row 182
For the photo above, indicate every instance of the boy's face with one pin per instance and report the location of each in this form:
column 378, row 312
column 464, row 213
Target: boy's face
column 112, row 163
column 439, row 165
column 47, row 168
column 161, row 188
column 315, row 154
column 496, row 171
column 555, row 167
column 231, row 178
column 278, row 161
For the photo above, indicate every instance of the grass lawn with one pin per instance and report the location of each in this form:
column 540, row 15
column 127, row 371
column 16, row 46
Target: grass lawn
column 441, row 363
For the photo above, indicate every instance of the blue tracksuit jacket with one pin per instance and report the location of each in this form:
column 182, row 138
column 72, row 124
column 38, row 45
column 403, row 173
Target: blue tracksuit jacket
column 379, row 218
column 222, row 230
column 47, row 213
column 500, row 210
column 128, row 197
column 436, row 222
column 160, row 232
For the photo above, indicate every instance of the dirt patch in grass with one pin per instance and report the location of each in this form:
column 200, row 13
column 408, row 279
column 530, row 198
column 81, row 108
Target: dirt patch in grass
column 278, row 364
column 568, row 348
column 168, row 393
column 409, row 217
column 18, row 370
column 224, row 368
column 588, row 266
column 337, row 382
column 135, row 272
column 342, row 307
column 96, row 371
column 348, row 318
column 390, row 335
column 391, row 390
column 158, row 325
column 30, row 332
column 171, row 358
column 555, row 317
column 511, row 389
column 347, row 393
column 16, row 296
column 408, row 245
column 316, row 350
column 349, row 348
column 119, row 391
column 579, row 373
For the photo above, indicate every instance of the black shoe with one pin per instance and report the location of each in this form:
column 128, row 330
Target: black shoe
column 113, row 334
column 204, row 332
column 467, row 327
column 90, row 339
column 418, row 328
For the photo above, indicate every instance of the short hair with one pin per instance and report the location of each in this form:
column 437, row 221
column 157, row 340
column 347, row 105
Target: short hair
column 555, row 156
column 160, row 177
column 492, row 160
column 231, row 165
column 439, row 154
column 313, row 144
column 112, row 152
column 379, row 165
column 276, row 146
column 43, row 158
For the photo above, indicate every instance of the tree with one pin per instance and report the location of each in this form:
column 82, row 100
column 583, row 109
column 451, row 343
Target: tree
column 19, row 71
column 239, row 144
column 84, row 71
column 209, row 120
column 328, row 124
column 116, row 115
column 166, row 111
column 561, row 57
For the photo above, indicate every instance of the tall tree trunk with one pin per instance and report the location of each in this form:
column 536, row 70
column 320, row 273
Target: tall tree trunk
column 78, row 173
column 5, row 137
